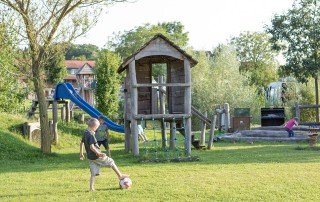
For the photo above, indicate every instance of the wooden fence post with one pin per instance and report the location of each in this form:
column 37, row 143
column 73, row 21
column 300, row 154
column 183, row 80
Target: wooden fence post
column 82, row 118
column 67, row 108
column 226, row 117
column 55, row 121
column 203, row 131
column 71, row 115
column 213, row 125
column 63, row 113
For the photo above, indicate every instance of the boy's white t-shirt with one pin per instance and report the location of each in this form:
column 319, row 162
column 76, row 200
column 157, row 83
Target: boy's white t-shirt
column 140, row 129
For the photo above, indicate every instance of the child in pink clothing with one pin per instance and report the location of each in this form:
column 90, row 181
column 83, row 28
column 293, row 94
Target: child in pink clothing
column 289, row 125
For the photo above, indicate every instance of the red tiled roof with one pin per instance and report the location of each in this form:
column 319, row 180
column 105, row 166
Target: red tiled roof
column 79, row 63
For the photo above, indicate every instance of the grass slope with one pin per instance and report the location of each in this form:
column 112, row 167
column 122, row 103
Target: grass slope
column 229, row 172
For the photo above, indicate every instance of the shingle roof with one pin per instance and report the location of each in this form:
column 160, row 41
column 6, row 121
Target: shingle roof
column 122, row 67
column 76, row 64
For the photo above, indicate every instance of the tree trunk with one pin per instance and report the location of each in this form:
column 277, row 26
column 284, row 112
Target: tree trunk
column 317, row 98
column 38, row 82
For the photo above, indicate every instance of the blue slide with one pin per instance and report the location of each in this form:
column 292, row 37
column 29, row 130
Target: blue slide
column 66, row 91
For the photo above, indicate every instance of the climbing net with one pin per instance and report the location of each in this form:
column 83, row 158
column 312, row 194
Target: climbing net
column 159, row 148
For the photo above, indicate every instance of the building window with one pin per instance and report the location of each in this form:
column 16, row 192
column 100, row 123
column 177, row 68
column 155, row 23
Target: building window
column 72, row 71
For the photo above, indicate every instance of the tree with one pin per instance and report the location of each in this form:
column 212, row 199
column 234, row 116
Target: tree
column 257, row 58
column 39, row 24
column 297, row 34
column 12, row 92
column 108, row 83
column 216, row 80
column 128, row 42
column 82, row 52
column 55, row 67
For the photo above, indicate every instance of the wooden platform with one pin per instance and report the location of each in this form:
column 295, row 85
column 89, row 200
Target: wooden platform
column 265, row 136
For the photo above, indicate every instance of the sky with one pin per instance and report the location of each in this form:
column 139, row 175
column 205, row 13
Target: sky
column 209, row 22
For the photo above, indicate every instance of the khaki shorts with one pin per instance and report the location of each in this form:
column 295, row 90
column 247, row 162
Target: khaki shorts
column 96, row 164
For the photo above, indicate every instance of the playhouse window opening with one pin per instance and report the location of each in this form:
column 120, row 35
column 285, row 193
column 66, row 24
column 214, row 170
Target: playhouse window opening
column 158, row 70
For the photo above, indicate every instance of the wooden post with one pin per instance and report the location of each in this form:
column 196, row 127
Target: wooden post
column 71, row 115
column 226, row 117
column 154, row 100
column 63, row 113
column 173, row 129
column 213, row 125
column 162, row 111
column 67, row 107
column 297, row 109
column 187, row 106
column 203, row 131
column 127, row 143
column 317, row 97
column 51, row 131
column 134, row 108
column 127, row 113
column 55, row 121
column 82, row 118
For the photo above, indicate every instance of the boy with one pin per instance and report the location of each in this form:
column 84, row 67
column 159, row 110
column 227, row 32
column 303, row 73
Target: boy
column 289, row 125
column 95, row 156
column 141, row 133
column 102, row 135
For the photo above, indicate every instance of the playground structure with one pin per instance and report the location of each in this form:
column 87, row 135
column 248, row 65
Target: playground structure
column 139, row 102
column 66, row 91
column 168, row 101
column 66, row 115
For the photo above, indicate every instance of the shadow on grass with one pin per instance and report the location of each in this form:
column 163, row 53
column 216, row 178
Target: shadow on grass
column 38, row 194
column 75, row 131
column 57, row 161
column 110, row 189
column 19, row 156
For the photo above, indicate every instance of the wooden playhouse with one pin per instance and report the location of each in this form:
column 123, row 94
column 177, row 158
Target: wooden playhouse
column 168, row 100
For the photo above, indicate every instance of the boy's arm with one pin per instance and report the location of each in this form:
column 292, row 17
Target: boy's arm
column 96, row 151
column 81, row 151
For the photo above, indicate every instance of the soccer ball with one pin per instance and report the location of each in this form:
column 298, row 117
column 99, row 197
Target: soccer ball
column 125, row 183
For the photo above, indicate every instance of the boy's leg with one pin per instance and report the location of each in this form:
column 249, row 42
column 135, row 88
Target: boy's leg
column 145, row 137
column 92, row 180
column 106, row 146
column 117, row 171
column 109, row 162
column 94, row 171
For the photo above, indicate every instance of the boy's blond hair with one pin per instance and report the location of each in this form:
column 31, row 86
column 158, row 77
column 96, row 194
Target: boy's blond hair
column 93, row 122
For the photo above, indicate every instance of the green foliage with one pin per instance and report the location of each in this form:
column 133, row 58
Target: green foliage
column 307, row 97
column 296, row 33
column 257, row 59
column 216, row 80
column 108, row 83
column 55, row 67
column 128, row 42
column 12, row 92
column 81, row 52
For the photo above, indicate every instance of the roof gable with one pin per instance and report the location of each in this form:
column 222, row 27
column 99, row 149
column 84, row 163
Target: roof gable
column 158, row 45
column 77, row 64
column 85, row 69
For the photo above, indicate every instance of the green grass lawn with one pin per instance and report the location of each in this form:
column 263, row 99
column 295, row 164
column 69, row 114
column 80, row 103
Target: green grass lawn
column 229, row 172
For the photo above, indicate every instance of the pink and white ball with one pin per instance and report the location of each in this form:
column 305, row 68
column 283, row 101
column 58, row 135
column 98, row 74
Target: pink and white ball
column 125, row 183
